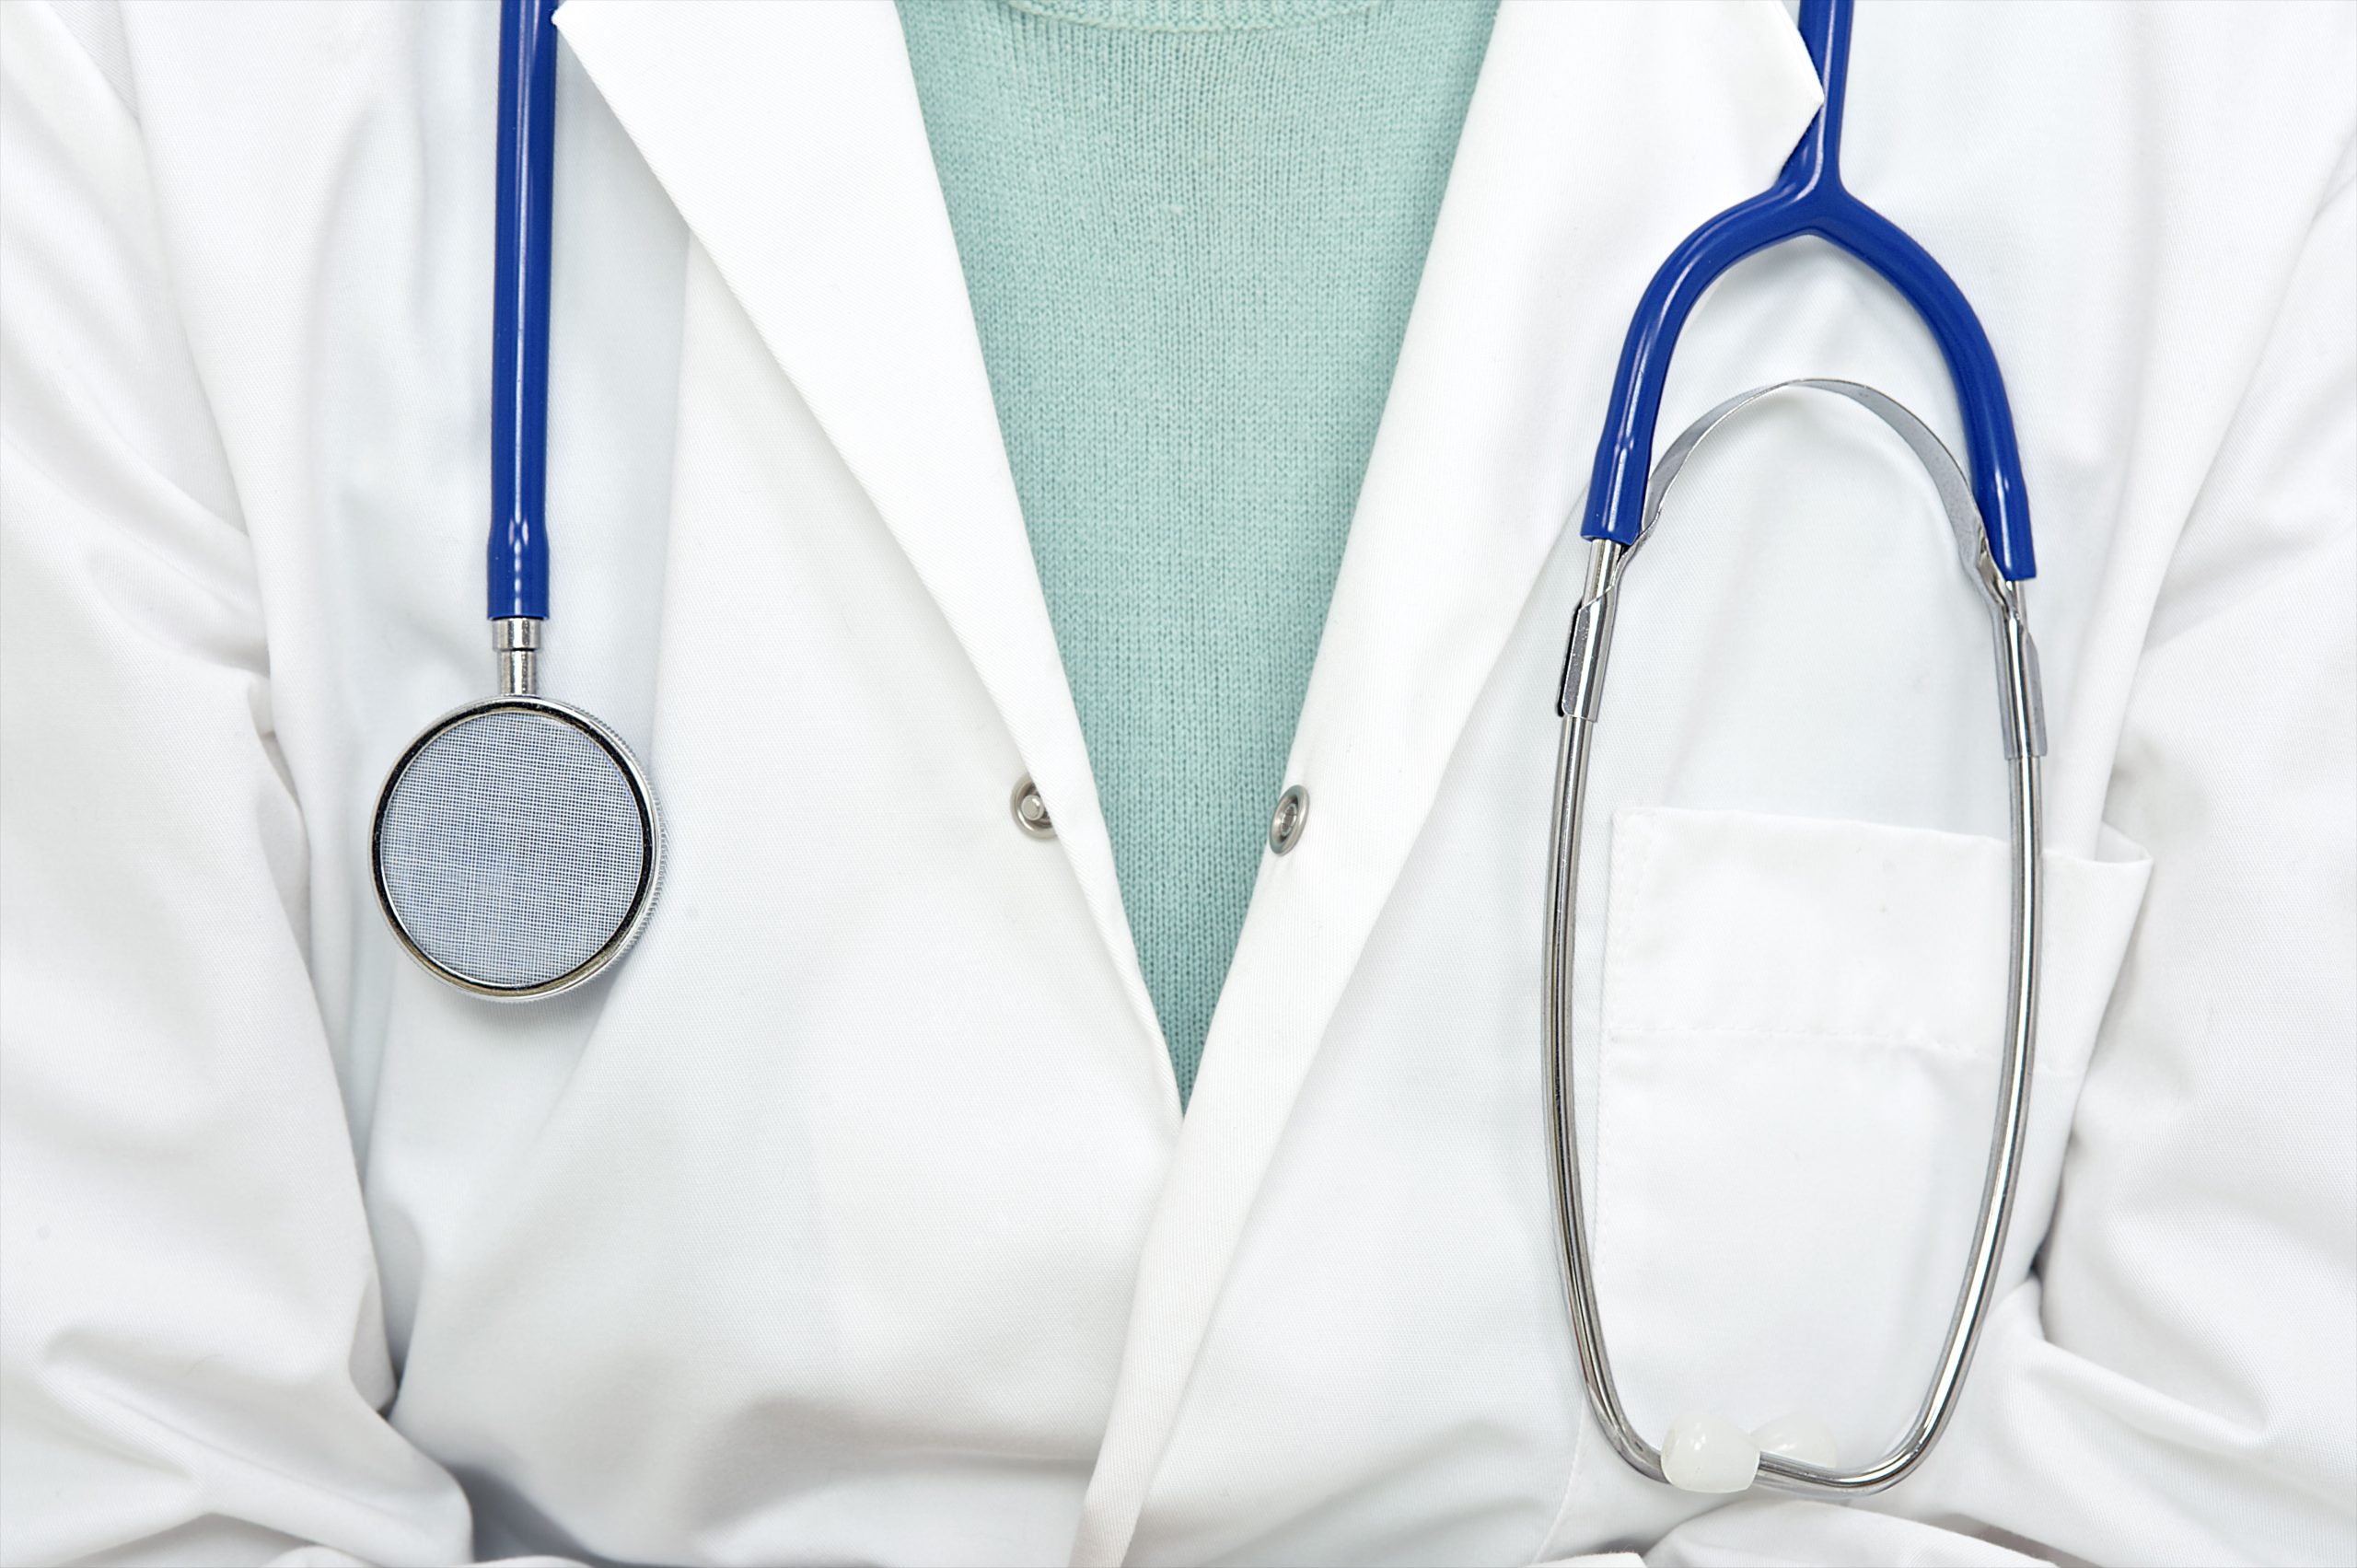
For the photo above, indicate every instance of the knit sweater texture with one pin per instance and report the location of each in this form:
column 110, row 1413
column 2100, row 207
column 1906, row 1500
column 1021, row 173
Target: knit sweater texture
column 1191, row 232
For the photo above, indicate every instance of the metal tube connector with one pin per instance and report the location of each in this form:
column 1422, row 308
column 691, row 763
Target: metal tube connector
column 1580, row 694
column 515, row 640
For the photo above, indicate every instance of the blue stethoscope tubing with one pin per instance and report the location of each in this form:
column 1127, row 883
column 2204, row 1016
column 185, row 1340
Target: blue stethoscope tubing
column 1809, row 198
column 1988, row 518
column 518, row 577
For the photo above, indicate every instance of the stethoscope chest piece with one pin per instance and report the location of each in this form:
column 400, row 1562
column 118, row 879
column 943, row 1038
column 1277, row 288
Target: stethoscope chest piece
column 516, row 848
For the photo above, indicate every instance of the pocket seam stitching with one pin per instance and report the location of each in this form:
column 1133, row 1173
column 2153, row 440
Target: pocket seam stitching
column 1929, row 1045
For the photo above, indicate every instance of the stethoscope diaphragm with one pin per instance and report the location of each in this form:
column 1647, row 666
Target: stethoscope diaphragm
column 517, row 849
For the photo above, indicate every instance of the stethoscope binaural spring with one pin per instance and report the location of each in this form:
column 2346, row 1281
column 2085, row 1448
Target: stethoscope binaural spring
column 515, row 848
column 1989, row 514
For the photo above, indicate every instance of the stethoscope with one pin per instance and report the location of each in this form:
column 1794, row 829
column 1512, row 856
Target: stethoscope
column 1990, row 516
column 517, row 849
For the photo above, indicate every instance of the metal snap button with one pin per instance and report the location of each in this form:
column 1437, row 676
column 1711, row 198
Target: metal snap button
column 1031, row 810
column 1293, row 815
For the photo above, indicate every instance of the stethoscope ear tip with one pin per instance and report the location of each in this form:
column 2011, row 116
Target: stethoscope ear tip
column 1796, row 1435
column 1706, row 1452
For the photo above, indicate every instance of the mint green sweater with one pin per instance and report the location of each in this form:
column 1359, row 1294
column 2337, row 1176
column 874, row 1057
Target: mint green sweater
column 1192, row 231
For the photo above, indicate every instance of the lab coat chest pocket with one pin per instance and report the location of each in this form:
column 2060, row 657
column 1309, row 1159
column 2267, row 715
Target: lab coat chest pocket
column 1801, row 1023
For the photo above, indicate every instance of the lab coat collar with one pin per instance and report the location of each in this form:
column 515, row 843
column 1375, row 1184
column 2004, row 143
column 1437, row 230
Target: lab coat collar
column 790, row 138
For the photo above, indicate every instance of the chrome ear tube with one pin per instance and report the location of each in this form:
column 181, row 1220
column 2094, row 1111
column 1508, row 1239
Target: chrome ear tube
column 1706, row 1452
column 515, row 847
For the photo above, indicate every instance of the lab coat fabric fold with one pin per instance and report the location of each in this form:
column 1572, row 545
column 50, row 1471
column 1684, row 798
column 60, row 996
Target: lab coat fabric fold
column 853, row 1218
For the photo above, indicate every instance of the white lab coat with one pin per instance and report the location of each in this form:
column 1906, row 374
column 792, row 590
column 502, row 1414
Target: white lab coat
column 854, row 1218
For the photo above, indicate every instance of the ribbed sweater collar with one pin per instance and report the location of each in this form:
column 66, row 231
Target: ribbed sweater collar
column 1191, row 16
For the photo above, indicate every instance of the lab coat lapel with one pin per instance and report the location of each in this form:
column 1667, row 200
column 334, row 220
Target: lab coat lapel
column 1597, row 137
column 790, row 138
